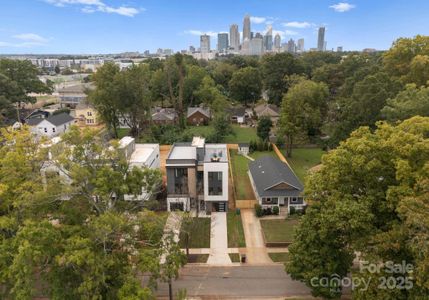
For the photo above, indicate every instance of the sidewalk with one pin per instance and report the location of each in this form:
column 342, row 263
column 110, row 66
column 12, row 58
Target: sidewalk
column 218, row 240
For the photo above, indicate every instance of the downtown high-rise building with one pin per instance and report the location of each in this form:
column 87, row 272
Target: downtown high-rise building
column 277, row 42
column 321, row 39
column 268, row 39
column 246, row 28
column 222, row 42
column 234, row 37
column 291, row 47
column 300, row 45
column 205, row 43
column 256, row 46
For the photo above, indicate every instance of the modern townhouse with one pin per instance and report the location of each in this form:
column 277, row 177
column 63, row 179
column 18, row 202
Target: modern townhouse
column 197, row 176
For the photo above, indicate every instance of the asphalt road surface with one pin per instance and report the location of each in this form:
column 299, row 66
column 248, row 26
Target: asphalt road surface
column 245, row 282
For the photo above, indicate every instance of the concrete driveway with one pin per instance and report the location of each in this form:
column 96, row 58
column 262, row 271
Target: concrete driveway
column 255, row 247
column 218, row 240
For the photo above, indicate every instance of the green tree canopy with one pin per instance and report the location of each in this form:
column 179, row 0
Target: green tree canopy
column 245, row 85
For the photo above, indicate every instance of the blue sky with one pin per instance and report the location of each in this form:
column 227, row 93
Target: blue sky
column 112, row 26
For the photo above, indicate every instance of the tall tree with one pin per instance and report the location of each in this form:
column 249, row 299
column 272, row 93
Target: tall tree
column 303, row 110
column 18, row 79
column 365, row 200
column 264, row 127
column 412, row 101
column 274, row 69
column 245, row 85
column 105, row 96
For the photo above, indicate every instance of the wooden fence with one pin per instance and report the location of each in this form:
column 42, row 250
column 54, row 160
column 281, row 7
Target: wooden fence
column 245, row 203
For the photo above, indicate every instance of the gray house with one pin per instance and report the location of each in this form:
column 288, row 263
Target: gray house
column 275, row 184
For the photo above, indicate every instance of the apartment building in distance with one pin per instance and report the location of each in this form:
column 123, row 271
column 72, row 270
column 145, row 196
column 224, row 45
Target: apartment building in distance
column 197, row 176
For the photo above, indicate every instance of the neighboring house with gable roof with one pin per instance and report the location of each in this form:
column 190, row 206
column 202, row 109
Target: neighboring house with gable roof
column 268, row 110
column 164, row 115
column 198, row 116
column 51, row 126
column 275, row 184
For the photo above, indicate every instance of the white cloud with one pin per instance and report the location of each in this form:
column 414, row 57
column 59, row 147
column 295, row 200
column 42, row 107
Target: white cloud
column 91, row 6
column 30, row 37
column 20, row 45
column 258, row 20
column 285, row 33
column 298, row 24
column 342, row 7
column 199, row 32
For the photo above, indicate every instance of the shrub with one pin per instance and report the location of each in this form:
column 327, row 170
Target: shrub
column 276, row 210
column 292, row 210
column 237, row 211
column 258, row 210
column 267, row 211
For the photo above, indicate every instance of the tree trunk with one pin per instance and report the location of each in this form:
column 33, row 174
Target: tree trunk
column 181, row 114
column 289, row 146
column 170, row 289
column 187, row 245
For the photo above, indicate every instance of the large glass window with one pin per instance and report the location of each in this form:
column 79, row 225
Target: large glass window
column 215, row 183
column 181, row 181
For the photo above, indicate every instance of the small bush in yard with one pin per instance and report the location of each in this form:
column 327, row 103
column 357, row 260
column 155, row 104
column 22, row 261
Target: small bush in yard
column 267, row 211
column 258, row 210
column 276, row 210
column 237, row 211
column 292, row 210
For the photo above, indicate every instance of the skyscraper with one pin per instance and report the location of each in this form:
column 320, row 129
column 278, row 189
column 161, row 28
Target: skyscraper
column 205, row 43
column 222, row 42
column 340, row 49
column 268, row 39
column 256, row 46
column 291, row 47
column 234, row 37
column 321, row 39
column 246, row 27
column 277, row 41
column 300, row 47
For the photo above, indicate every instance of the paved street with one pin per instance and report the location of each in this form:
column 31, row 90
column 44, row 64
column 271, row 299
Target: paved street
column 245, row 282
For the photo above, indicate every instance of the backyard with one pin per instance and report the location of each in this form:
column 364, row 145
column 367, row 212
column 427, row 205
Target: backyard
column 303, row 159
column 199, row 232
column 279, row 256
column 280, row 230
column 243, row 188
column 235, row 231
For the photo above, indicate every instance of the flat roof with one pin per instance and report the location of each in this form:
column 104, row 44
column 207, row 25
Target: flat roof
column 142, row 152
column 218, row 151
column 183, row 152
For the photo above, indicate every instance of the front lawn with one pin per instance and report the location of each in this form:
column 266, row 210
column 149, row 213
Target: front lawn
column 278, row 231
column 198, row 258
column 235, row 257
column 279, row 257
column 199, row 230
column 235, row 231
column 240, row 166
column 303, row 159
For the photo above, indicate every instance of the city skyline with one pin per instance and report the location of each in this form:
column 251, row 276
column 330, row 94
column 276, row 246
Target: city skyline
column 114, row 26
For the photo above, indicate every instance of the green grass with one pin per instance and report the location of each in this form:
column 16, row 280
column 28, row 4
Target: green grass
column 240, row 165
column 198, row 258
column 199, row 130
column 235, row 257
column 276, row 231
column 122, row 132
column 235, row 231
column 199, row 230
column 279, row 257
column 242, row 135
column 304, row 159
column 258, row 154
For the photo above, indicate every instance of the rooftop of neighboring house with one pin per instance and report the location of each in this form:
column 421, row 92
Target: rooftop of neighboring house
column 136, row 153
column 161, row 114
column 202, row 110
column 77, row 88
column 273, row 177
column 237, row 111
column 264, row 109
column 57, row 120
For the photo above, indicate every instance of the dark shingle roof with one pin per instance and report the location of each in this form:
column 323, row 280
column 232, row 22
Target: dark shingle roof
column 268, row 171
column 243, row 145
column 34, row 121
column 60, row 119
column 237, row 111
